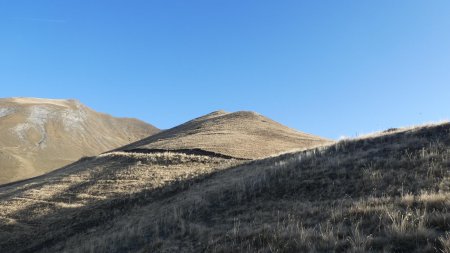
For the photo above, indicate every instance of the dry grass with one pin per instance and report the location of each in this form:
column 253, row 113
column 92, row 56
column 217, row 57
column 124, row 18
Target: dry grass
column 91, row 192
column 383, row 194
column 40, row 135
column 245, row 135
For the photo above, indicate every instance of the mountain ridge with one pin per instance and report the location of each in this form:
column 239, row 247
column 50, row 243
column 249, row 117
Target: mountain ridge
column 38, row 135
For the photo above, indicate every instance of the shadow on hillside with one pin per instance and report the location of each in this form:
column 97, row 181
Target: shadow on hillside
column 33, row 181
column 336, row 173
column 46, row 230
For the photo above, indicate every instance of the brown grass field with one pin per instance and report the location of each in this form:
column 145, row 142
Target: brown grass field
column 388, row 192
column 243, row 134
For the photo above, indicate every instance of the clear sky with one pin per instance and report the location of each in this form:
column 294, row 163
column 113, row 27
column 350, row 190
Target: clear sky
column 331, row 68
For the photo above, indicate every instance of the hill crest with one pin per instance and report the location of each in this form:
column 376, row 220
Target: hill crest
column 242, row 134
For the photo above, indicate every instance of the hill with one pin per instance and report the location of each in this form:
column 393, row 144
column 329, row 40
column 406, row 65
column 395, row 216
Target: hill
column 384, row 193
column 244, row 134
column 91, row 187
column 39, row 135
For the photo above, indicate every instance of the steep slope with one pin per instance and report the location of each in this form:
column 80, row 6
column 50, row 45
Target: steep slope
column 243, row 134
column 39, row 135
column 386, row 193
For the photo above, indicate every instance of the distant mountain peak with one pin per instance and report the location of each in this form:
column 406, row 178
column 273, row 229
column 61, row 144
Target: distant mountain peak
column 37, row 135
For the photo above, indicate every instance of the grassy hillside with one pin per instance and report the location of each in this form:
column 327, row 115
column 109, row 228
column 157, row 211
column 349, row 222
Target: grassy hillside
column 91, row 192
column 40, row 135
column 386, row 193
column 243, row 134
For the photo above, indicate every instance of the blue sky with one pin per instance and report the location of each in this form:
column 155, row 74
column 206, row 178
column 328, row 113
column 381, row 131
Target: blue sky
column 331, row 68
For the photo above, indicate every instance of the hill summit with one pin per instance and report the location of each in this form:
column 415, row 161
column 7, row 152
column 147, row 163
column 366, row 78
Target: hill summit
column 243, row 134
column 38, row 135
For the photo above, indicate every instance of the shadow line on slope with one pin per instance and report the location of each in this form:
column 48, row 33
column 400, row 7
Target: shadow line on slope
column 47, row 230
column 51, row 173
column 195, row 151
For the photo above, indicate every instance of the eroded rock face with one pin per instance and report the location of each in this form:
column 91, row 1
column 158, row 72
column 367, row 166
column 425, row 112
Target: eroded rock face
column 38, row 135
column 6, row 111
